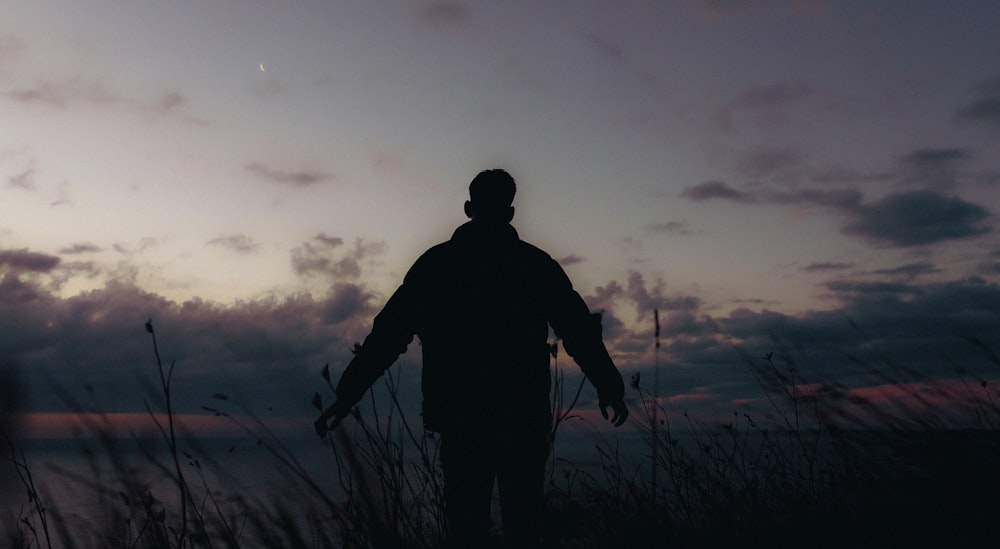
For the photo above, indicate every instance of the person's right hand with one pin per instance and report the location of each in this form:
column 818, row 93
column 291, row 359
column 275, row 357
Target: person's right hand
column 619, row 408
column 336, row 411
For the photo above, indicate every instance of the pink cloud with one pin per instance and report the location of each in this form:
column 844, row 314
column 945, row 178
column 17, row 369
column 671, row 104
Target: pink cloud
column 69, row 425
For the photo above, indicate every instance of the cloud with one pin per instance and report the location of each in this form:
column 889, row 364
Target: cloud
column 910, row 270
column 19, row 168
column 848, row 200
column 348, row 301
column 917, row 218
column 856, row 288
column 630, row 341
column 873, row 327
column 63, row 196
column 46, row 93
column 924, row 158
column 319, row 257
column 646, row 300
column 984, row 108
column 989, row 268
column 310, row 258
column 992, row 264
column 81, row 248
column 882, row 333
column 68, row 93
column 269, row 350
column 331, row 241
column 679, row 228
column 24, row 180
column 988, row 178
column 571, row 259
column 64, row 93
column 73, row 269
column 239, row 243
column 711, row 190
column 934, row 168
column 827, row 266
column 25, row 260
column 169, row 102
column 841, row 175
column 145, row 243
column 902, row 219
column 303, row 178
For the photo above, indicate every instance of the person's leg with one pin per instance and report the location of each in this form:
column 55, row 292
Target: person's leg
column 468, row 490
column 521, row 480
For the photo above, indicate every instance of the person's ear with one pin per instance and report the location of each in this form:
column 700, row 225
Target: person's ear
column 468, row 210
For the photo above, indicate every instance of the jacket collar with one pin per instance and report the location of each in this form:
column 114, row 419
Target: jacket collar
column 480, row 231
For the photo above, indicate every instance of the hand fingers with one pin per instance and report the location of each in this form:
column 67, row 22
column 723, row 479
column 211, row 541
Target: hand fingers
column 617, row 419
column 620, row 419
column 320, row 426
column 323, row 425
column 621, row 414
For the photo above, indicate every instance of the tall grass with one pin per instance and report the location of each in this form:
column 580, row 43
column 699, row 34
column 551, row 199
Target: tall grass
column 821, row 466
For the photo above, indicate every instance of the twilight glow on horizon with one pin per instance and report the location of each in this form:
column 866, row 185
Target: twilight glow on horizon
column 257, row 177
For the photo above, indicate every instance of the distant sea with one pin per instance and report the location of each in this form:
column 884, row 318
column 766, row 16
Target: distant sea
column 80, row 478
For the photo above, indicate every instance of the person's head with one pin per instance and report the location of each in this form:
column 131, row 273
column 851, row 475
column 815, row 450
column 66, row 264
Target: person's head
column 491, row 194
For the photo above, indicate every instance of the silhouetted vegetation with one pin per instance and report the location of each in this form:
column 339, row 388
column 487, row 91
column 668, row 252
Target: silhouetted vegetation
column 825, row 466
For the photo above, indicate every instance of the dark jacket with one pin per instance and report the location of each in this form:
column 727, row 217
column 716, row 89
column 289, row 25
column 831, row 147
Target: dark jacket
column 481, row 305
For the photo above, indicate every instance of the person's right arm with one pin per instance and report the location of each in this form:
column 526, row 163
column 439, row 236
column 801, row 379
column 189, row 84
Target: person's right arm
column 580, row 331
column 392, row 331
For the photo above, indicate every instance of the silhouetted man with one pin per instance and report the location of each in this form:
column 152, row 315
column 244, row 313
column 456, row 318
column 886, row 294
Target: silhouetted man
column 482, row 304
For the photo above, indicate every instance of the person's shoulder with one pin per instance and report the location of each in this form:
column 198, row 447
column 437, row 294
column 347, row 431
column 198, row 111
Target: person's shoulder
column 529, row 248
column 438, row 249
column 432, row 257
column 531, row 253
column 437, row 252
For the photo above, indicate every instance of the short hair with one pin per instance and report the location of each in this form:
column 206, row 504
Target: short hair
column 492, row 191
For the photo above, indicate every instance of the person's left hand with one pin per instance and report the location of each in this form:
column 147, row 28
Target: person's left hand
column 619, row 408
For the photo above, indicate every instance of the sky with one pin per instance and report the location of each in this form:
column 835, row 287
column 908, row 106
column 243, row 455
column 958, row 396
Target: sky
column 808, row 177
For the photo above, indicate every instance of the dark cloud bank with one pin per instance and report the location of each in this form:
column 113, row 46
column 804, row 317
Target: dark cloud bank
column 883, row 327
column 901, row 219
column 94, row 345
column 269, row 351
column 264, row 348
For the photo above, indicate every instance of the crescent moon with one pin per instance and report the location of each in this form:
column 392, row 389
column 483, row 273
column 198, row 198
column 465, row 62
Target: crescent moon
column 262, row 68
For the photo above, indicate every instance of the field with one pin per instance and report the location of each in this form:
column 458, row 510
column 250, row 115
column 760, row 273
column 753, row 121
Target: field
column 823, row 467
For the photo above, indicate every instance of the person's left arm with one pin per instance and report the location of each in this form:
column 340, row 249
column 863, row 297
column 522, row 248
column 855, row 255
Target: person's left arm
column 580, row 331
column 391, row 332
